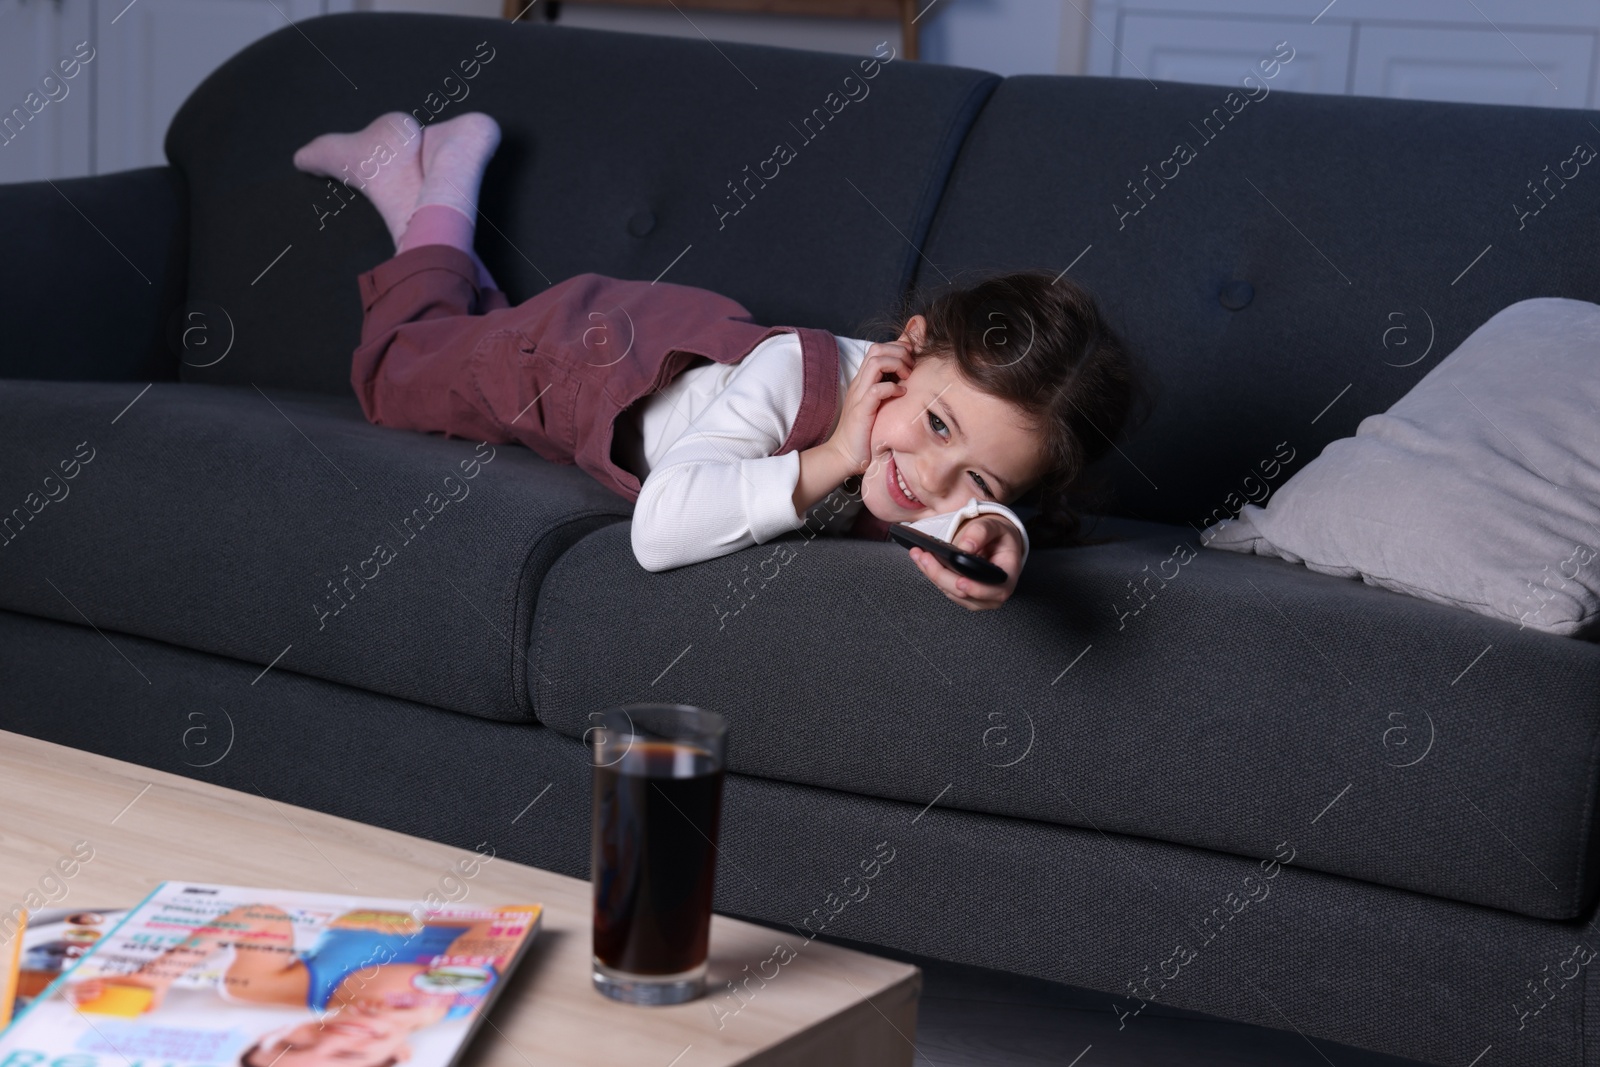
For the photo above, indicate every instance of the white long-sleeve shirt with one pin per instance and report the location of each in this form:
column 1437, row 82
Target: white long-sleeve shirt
column 711, row 484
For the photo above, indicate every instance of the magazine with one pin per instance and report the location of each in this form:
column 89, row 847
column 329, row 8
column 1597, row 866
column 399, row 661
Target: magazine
column 10, row 959
column 52, row 941
column 214, row 974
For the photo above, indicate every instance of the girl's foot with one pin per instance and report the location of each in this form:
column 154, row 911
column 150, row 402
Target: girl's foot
column 384, row 161
column 454, row 155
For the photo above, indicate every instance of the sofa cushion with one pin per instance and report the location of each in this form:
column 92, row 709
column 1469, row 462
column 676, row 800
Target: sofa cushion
column 284, row 529
column 620, row 156
column 1143, row 687
column 1357, row 223
column 299, row 740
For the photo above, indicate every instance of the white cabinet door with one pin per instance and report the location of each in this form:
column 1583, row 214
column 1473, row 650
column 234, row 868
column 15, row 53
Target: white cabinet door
column 1482, row 66
column 152, row 55
column 44, row 116
column 1223, row 50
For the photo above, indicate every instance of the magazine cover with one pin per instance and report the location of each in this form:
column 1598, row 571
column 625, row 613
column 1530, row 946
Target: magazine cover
column 214, row 974
column 52, row 941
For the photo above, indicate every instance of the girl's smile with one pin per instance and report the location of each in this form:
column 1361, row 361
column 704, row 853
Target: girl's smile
column 898, row 489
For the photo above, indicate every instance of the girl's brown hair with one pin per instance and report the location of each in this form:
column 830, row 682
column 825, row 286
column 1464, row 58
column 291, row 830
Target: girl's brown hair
column 1040, row 342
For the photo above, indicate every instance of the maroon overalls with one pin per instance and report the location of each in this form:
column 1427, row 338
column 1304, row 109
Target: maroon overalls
column 555, row 372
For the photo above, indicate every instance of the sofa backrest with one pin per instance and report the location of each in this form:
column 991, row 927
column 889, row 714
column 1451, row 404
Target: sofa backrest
column 628, row 155
column 131, row 258
column 1374, row 236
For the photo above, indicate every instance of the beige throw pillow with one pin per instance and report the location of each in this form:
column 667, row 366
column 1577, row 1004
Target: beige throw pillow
column 1480, row 488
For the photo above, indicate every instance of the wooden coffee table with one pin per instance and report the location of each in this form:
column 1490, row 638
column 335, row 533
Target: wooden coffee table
column 826, row 1006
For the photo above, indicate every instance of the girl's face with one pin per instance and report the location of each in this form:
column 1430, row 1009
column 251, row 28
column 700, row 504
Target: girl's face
column 362, row 1028
column 947, row 442
column 339, row 1042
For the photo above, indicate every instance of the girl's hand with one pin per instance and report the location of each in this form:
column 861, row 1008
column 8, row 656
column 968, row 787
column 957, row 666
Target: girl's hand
column 852, row 438
column 994, row 538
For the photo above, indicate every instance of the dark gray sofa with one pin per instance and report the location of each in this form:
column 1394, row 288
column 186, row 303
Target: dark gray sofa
column 1215, row 782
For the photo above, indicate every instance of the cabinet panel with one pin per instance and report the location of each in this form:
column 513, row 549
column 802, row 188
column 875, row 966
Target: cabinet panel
column 1221, row 51
column 1545, row 69
column 52, row 142
column 153, row 55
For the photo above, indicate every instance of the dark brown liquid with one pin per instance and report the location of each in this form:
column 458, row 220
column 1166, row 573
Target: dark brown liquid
column 653, row 857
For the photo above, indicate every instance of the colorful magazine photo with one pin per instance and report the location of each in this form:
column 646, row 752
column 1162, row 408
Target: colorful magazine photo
column 52, row 941
column 222, row 975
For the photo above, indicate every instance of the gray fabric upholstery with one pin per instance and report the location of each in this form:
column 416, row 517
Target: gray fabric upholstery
column 1331, row 958
column 220, row 517
column 1245, row 692
column 1363, row 215
column 592, row 174
column 125, row 236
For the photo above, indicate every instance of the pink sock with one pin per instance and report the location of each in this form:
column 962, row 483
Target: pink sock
column 440, row 224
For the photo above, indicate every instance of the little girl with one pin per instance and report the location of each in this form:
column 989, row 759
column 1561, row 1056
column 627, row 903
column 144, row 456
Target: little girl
column 724, row 433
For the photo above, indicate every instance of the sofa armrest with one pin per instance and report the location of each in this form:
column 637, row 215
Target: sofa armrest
column 93, row 270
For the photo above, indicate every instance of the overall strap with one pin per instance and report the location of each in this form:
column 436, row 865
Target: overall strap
column 819, row 396
column 819, row 405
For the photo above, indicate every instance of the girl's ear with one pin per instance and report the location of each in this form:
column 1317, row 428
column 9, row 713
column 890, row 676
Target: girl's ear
column 915, row 332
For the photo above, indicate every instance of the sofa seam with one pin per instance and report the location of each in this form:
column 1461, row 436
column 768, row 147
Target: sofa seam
column 522, row 635
column 950, row 145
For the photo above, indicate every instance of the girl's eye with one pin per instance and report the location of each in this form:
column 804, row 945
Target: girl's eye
column 982, row 484
column 936, row 424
